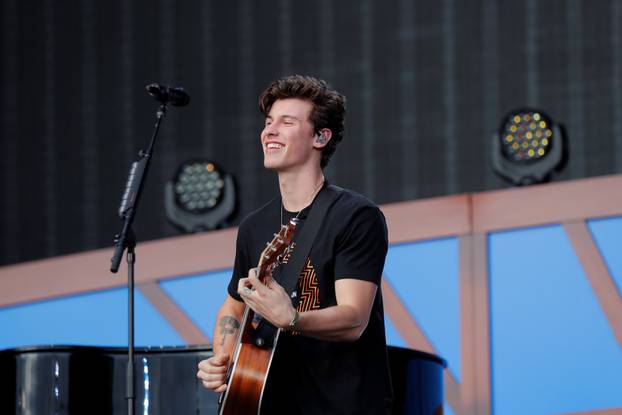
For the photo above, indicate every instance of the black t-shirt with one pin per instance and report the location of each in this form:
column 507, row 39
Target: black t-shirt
column 310, row 376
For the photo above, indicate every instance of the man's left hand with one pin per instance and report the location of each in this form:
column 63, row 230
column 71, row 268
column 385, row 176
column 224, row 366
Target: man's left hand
column 270, row 301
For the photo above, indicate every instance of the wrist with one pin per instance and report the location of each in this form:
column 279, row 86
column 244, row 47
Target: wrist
column 291, row 325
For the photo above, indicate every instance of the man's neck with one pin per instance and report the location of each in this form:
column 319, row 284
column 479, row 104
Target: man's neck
column 299, row 188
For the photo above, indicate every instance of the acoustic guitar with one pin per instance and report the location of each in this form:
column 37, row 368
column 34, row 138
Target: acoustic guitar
column 254, row 348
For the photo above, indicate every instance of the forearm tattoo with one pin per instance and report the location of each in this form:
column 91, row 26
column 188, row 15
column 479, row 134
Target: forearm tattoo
column 228, row 325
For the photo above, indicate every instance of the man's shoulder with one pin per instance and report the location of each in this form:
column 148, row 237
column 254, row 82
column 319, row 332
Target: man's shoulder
column 351, row 201
column 354, row 210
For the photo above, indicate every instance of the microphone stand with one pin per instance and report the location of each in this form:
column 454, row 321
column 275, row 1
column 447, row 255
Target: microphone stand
column 127, row 240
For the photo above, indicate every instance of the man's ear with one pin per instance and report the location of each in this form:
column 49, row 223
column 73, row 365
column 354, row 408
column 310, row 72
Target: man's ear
column 322, row 138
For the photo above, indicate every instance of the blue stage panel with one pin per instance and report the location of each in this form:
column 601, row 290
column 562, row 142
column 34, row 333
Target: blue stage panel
column 552, row 348
column 150, row 327
column 393, row 336
column 607, row 234
column 425, row 277
column 97, row 319
column 200, row 296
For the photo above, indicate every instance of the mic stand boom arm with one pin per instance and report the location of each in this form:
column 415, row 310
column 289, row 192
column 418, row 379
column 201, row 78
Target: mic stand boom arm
column 126, row 240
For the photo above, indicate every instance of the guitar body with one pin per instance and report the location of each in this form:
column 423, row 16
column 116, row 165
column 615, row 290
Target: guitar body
column 248, row 376
column 253, row 352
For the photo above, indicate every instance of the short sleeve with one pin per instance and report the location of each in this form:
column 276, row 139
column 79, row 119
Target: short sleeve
column 362, row 246
column 241, row 264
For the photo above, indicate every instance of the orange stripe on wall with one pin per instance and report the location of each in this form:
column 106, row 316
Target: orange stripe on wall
column 428, row 219
column 474, row 321
column 90, row 271
column 175, row 316
column 407, row 222
column 547, row 203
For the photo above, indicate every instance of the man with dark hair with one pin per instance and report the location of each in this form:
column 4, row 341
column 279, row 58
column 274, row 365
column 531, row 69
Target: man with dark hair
column 331, row 353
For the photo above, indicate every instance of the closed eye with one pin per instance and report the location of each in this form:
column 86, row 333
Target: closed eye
column 289, row 120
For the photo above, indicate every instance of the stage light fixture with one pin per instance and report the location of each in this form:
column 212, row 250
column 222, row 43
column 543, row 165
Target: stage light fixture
column 199, row 197
column 528, row 148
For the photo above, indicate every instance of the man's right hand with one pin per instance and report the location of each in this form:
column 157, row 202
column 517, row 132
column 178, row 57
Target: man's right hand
column 213, row 372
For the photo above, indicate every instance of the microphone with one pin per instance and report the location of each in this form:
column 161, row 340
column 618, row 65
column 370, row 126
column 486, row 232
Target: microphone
column 174, row 96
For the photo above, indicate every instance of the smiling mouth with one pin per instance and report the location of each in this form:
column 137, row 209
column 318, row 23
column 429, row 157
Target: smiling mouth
column 274, row 146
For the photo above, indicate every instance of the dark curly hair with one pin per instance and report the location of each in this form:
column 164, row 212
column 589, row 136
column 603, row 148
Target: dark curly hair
column 329, row 106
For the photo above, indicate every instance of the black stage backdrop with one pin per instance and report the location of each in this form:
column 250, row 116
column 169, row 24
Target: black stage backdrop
column 427, row 83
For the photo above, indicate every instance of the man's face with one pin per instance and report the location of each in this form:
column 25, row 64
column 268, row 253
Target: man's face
column 287, row 138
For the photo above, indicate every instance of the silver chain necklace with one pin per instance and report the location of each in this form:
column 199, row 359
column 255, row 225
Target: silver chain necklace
column 315, row 192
